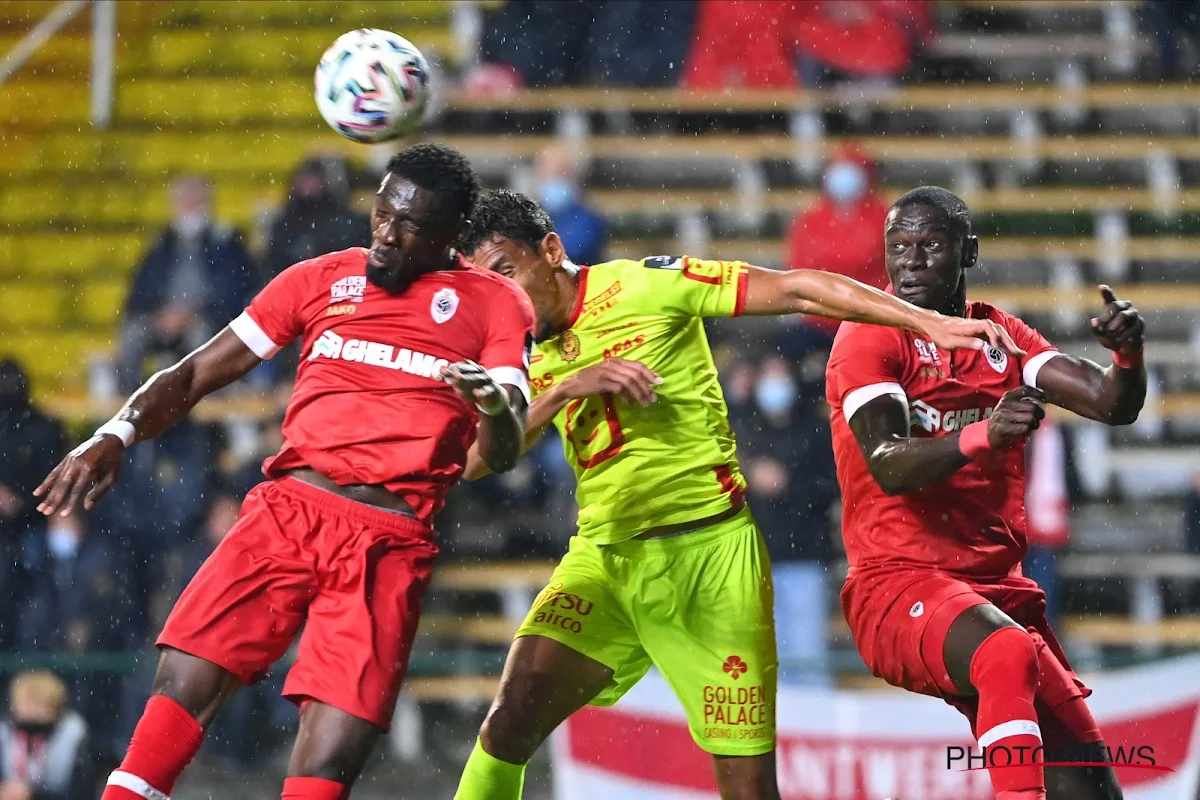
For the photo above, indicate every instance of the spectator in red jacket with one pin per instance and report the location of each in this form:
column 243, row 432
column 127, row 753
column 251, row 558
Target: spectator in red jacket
column 743, row 45
column 843, row 232
column 758, row 45
column 860, row 39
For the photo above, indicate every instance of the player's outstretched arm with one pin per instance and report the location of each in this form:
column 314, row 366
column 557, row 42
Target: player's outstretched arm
column 501, row 434
column 825, row 294
column 166, row 398
column 901, row 464
column 632, row 380
column 1113, row 395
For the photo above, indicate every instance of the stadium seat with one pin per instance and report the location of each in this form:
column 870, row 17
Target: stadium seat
column 101, row 302
column 32, row 303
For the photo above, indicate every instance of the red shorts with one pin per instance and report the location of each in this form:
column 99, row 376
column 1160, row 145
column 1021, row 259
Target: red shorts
column 899, row 618
column 298, row 554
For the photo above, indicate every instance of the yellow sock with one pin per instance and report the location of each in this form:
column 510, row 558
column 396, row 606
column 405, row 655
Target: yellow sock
column 488, row 778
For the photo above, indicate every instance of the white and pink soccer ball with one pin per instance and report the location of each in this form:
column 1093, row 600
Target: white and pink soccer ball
column 372, row 86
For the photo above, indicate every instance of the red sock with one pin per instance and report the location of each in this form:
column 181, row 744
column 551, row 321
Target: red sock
column 1004, row 670
column 314, row 789
column 165, row 740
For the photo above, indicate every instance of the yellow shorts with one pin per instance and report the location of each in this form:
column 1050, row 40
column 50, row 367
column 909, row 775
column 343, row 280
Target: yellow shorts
column 698, row 606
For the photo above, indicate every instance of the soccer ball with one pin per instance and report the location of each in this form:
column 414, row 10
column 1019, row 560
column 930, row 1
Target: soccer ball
column 372, row 86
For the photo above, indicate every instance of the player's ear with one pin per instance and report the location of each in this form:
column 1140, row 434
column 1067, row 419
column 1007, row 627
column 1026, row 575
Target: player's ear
column 464, row 228
column 970, row 252
column 552, row 249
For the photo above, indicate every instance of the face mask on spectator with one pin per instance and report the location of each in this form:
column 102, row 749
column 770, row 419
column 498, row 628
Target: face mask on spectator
column 192, row 224
column 845, row 182
column 63, row 542
column 775, row 395
column 556, row 194
column 31, row 728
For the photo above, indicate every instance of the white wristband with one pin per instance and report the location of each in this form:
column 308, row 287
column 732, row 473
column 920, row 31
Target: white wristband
column 500, row 409
column 120, row 428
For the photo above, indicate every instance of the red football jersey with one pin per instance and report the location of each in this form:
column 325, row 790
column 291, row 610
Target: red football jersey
column 369, row 404
column 973, row 522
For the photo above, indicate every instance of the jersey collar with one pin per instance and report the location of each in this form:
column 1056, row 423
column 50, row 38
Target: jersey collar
column 580, row 296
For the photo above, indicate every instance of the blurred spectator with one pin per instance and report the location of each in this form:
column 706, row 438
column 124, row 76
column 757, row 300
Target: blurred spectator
column 860, row 39
column 191, row 283
column 81, row 599
column 44, row 752
column 542, row 43
column 758, row 45
column 78, row 597
column 184, row 560
column 317, row 218
column 1191, row 516
column 843, row 231
column 155, row 505
column 30, row 445
column 1047, row 508
column 557, row 174
column 1169, row 20
column 742, row 45
column 787, row 456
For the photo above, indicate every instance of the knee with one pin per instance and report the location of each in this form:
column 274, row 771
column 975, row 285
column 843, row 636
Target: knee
column 197, row 686
column 514, row 729
column 510, row 731
column 1009, row 657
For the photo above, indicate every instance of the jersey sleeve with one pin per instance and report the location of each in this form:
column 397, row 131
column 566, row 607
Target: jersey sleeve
column 1038, row 349
column 272, row 320
column 866, row 362
column 509, row 344
column 695, row 287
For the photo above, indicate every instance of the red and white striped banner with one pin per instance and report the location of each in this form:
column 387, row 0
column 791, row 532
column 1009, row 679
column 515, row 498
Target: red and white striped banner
column 869, row 745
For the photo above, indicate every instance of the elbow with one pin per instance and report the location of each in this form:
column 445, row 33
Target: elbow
column 499, row 463
column 1121, row 417
column 892, row 488
column 891, row 483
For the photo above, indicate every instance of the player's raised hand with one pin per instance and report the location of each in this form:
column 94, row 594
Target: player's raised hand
column 632, row 380
column 92, row 467
column 476, row 386
column 1120, row 326
column 960, row 333
column 1017, row 415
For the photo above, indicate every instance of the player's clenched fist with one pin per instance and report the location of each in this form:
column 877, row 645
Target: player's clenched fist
column 475, row 385
column 630, row 379
column 91, row 467
column 1120, row 326
column 1017, row 415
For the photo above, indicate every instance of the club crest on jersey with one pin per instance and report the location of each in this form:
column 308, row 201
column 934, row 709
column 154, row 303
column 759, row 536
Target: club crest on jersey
column 445, row 303
column 568, row 346
column 348, row 290
column 997, row 359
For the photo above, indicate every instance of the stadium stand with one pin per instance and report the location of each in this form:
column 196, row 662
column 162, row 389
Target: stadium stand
column 1072, row 183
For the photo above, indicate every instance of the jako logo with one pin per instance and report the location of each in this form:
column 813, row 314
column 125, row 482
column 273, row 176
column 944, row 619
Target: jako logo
column 330, row 345
column 926, row 416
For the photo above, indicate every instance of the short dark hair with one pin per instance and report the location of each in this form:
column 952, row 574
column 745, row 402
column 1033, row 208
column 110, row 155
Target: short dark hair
column 511, row 215
column 441, row 170
column 950, row 204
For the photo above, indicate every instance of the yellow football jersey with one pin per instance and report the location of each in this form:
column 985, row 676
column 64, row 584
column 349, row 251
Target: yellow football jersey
column 675, row 461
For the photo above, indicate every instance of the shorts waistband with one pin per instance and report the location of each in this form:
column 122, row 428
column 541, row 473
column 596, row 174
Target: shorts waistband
column 372, row 515
column 685, row 541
